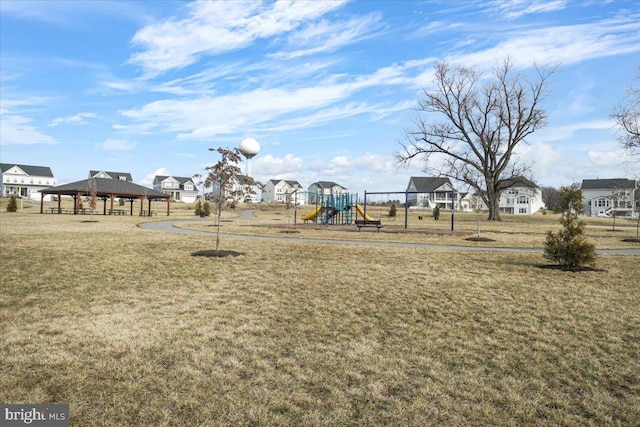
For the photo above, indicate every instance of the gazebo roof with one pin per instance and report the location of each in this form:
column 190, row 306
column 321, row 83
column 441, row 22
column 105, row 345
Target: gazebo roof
column 106, row 187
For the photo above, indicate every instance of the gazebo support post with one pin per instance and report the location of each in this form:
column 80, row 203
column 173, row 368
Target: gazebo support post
column 104, row 203
column 112, row 197
column 131, row 206
column 168, row 204
column 41, row 202
column 141, row 205
column 149, row 207
column 59, row 203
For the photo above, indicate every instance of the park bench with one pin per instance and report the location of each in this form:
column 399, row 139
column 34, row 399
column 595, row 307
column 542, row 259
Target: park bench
column 368, row 223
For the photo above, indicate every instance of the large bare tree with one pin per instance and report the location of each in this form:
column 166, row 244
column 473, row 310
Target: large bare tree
column 469, row 124
column 627, row 117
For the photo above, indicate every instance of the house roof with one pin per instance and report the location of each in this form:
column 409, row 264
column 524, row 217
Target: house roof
column 114, row 175
column 327, row 184
column 290, row 183
column 29, row 170
column 106, row 187
column 428, row 184
column 518, row 181
column 607, row 184
column 181, row 179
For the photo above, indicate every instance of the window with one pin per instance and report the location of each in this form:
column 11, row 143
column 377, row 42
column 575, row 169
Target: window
column 602, row 203
column 523, row 199
column 523, row 210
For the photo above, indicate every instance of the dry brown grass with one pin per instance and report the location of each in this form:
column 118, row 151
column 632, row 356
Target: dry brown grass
column 128, row 328
column 511, row 232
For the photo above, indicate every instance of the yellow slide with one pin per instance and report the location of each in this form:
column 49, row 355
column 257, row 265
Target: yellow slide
column 312, row 215
column 361, row 212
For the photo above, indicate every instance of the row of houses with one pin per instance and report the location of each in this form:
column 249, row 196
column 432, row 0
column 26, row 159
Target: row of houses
column 602, row 197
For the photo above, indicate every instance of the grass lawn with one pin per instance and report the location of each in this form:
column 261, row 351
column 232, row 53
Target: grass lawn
column 130, row 329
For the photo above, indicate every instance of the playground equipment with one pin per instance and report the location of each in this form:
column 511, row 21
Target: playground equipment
column 337, row 210
column 332, row 209
column 363, row 213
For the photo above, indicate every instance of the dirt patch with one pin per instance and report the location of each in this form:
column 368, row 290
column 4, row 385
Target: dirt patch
column 211, row 253
column 631, row 240
column 289, row 231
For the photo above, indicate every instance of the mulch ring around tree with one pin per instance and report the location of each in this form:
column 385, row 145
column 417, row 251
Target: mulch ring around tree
column 479, row 239
column 212, row 253
column 580, row 269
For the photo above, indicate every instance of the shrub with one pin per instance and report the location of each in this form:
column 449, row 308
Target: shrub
column 392, row 210
column 121, row 202
column 206, row 208
column 198, row 208
column 12, row 206
column 568, row 247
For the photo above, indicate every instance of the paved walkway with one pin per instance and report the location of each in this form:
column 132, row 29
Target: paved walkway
column 170, row 227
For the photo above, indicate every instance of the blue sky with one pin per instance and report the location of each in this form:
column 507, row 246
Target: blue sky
column 327, row 88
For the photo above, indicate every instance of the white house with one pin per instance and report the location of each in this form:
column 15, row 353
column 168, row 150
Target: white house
column 237, row 190
column 522, row 197
column 180, row 188
column 25, row 180
column 124, row 176
column 319, row 189
column 431, row 192
column 602, row 197
column 276, row 190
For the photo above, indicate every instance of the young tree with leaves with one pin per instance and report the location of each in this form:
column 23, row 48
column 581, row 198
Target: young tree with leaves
column 471, row 125
column 568, row 247
column 12, row 206
column 222, row 178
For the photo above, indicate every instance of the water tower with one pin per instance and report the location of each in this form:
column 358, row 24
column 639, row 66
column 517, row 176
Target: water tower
column 249, row 147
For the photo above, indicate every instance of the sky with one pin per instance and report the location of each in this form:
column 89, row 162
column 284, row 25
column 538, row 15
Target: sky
column 327, row 88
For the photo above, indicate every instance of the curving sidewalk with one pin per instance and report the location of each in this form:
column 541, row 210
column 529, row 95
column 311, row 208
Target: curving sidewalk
column 170, row 227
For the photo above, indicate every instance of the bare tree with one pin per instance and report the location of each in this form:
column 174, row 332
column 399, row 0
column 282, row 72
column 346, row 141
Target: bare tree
column 223, row 179
column 93, row 200
column 471, row 126
column 627, row 117
column 551, row 197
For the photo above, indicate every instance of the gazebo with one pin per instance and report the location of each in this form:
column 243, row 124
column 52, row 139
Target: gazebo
column 105, row 189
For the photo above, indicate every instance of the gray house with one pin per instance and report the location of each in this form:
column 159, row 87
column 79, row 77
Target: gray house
column 319, row 189
column 604, row 197
column 431, row 192
column 123, row 176
column 180, row 188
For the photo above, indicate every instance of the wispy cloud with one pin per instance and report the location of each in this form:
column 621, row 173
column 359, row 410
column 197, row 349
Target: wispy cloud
column 565, row 44
column 78, row 119
column 116, row 145
column 327, row 36
column 217, row 27
column 18, row 130
column 514, row 9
